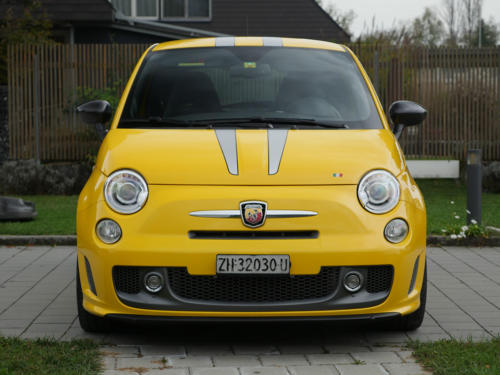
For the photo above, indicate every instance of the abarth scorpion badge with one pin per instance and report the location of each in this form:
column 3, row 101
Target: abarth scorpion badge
column 253, row 213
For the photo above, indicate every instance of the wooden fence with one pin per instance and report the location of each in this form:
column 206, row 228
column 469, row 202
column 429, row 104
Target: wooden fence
column 459, row 87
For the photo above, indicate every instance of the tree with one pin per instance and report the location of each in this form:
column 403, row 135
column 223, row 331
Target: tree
column 31, row 26
column 470, row 16
column 396, row 35
column 427, row 30
column 343, row 18
column 490, row 34
column 450, row 16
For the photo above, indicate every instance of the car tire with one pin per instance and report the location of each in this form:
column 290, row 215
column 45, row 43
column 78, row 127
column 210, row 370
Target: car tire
column 414, row 320
column 88, row 321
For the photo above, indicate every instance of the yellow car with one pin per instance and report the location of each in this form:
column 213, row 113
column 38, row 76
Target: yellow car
column 251, row 178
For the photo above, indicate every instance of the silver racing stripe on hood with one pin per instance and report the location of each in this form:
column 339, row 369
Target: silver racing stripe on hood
column 225, row 41
column 276, row 140
column 227, row 143
column 272, row 41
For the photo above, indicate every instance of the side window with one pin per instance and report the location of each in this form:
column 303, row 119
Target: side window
column 138, row 8
column 182, row 10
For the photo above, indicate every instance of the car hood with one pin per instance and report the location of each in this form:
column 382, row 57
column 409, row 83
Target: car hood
column 198, row 156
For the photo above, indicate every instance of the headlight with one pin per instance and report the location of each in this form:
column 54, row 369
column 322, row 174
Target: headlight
column 396, row 230
column 126, row 191
column 378, row 191
column 108, row 231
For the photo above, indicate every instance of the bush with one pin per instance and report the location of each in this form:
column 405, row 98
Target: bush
column 491, row 177
column 28, row 177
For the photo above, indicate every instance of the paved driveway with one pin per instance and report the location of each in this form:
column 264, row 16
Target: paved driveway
column 37, row 288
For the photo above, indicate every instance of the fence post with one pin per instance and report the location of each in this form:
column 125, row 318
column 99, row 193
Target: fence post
column 375, row 72
column 4, row 126
column 474, row 185
column 36, row 99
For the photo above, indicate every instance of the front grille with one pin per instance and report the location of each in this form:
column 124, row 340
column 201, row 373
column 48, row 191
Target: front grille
column 127, row 279
column 246, row 234
column 379, row 279
column 253, row 289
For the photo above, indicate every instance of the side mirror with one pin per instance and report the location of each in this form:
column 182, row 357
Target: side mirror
column 405, row 113
column 96, row 112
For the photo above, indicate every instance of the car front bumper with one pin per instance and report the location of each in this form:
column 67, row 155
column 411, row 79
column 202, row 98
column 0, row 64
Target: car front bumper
column 157, row 237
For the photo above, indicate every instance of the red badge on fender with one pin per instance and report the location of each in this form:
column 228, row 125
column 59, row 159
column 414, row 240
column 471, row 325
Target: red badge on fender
column 253, row 213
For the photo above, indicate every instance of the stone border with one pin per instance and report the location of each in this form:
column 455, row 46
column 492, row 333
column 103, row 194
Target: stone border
column 473, row 241
column 51, row 240
column 54, row 240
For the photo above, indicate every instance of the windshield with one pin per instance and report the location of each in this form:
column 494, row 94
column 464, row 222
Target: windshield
column 257, row 85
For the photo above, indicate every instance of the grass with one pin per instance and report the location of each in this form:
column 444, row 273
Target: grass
column 441, row 212
column 56, row 215
column 47, row 356
column 453, row 357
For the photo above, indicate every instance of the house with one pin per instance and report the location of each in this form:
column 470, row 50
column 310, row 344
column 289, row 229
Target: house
column 150, row 21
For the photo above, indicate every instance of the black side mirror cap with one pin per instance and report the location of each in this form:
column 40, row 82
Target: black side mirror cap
column 95, row 112
column 406, row 113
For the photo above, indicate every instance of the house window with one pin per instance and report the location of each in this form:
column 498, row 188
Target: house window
column 186, row 9
column 138, row 8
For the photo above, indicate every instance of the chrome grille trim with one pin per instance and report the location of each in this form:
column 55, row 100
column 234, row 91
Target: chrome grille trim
column 271, row 214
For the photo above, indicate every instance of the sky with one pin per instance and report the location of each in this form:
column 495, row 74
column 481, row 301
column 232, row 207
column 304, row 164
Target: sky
column 388, row 11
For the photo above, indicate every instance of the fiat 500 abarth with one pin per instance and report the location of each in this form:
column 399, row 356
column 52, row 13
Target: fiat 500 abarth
column 251, row 178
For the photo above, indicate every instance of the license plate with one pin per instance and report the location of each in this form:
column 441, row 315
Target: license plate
column 253, row 264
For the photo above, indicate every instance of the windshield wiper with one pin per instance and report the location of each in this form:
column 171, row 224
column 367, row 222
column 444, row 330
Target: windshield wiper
column 158, row 122
column 270, row 121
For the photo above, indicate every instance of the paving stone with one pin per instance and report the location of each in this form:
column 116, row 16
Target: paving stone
column 14, row 323
column 426, row 337
column 236, row 360
column 263, row 371
column 387, row 337
column 346, row 348
column 208, row 349
column 361, row 370
column 214, row 371
column 11, row 332
column 108, row 363
column 163, row 350
column 119, row 372
column 255, row 349
column 406, row 356
column 386, row 348
column 377, row 357
column 329, row 359
column 312, row 370
column 121, row 351
column 140, row 362
column 168, row 371
column 406, row 369
column 301, row 349
column 283, row 360
column 190, row 361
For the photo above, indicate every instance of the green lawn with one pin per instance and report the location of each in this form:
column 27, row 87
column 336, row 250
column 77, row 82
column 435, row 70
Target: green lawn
column 452, row 357
column 56, row 214
column 446, row 199
column 48, row 357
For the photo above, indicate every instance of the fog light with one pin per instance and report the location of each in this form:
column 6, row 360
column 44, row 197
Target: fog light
column 153, row 282
column 396, row 230
column 353, row 281
column 108, row 231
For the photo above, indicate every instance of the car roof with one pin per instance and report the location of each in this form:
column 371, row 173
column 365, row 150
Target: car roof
column 249, row 41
